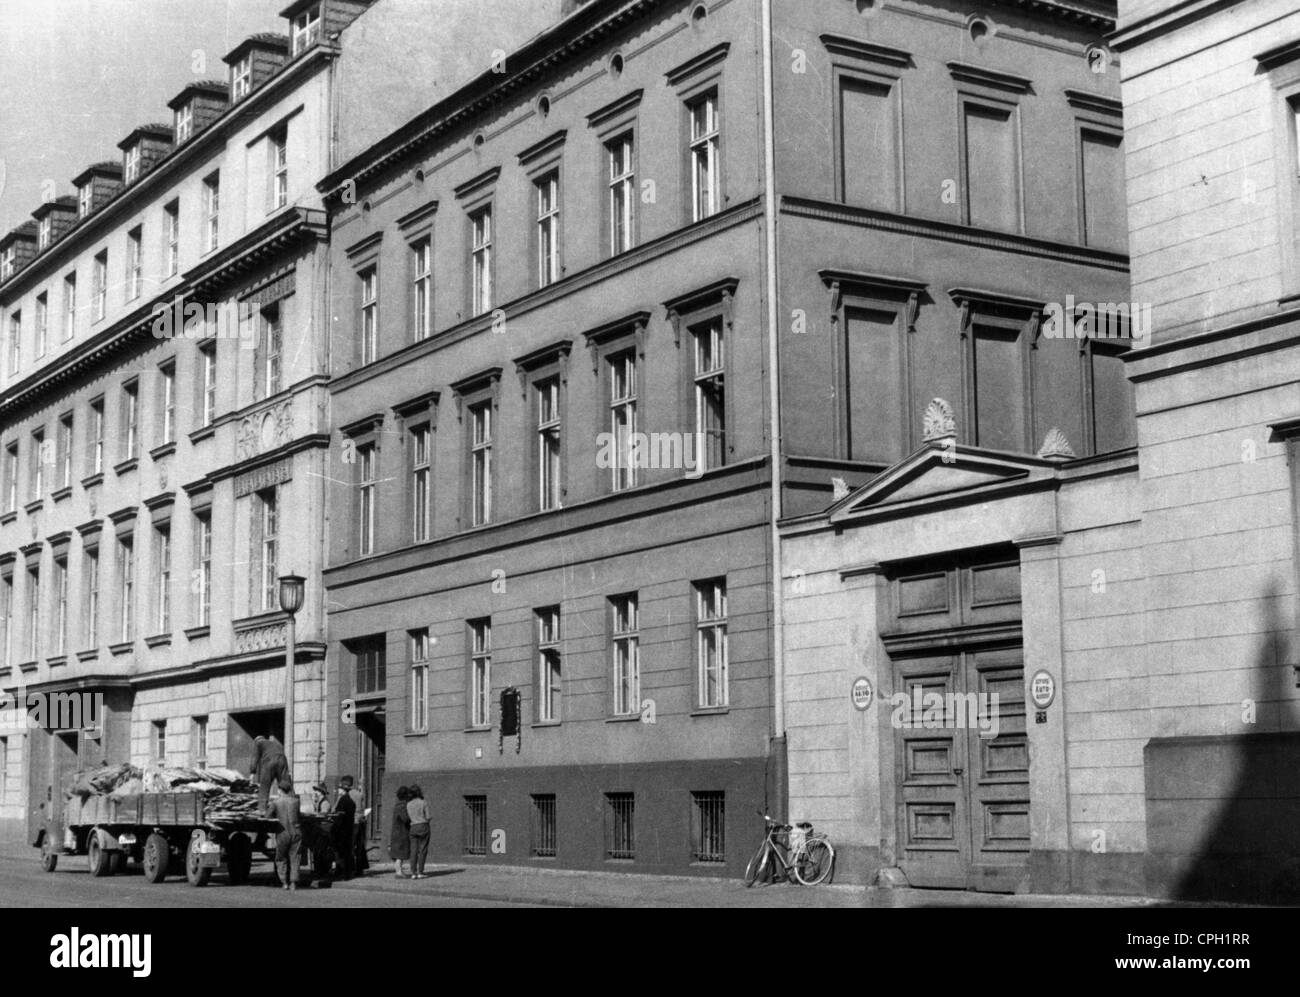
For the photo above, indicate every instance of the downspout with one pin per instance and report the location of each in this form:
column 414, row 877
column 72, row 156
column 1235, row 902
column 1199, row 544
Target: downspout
column 780, row 787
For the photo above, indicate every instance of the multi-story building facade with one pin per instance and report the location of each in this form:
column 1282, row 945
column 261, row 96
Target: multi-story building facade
column 573, row 249
column 539, row 267
column 163, row 423
column 164, row 409
column 1133, row 610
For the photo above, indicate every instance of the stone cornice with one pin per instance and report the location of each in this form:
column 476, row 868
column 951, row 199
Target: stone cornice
column 1162, row 22
column 1009, row 242
column 253, row 250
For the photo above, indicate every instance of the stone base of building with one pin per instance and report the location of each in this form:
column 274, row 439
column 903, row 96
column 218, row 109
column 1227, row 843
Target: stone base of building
column 1112, row 874
column 667, row 798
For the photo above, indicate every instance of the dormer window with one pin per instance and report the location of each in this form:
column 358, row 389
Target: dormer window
column 7, row 263
column 306, row 29
column 241, row 78
column 44, row 232
column 184, row 122
column 132, row 163
column 85, row 200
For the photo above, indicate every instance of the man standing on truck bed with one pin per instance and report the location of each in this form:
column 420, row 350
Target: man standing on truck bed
column 269, row 766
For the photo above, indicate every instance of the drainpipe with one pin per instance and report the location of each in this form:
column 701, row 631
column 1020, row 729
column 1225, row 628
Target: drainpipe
column 779, row 789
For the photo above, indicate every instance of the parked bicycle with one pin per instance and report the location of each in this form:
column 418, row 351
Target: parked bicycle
column 792, row 850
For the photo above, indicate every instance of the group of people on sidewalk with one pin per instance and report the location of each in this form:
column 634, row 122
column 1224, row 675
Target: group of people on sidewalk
column 409, row 839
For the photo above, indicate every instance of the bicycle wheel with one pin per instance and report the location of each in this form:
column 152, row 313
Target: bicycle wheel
column 755, row 867
column 814, row 862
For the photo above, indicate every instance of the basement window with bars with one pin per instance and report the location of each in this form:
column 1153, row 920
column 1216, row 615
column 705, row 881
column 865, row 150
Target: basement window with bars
column 475, row 830
column 708, row 836
column 543, row 826
column 620, row 836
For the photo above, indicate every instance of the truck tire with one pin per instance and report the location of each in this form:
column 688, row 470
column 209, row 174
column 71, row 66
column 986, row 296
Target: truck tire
column 157, row 856
column 197, row 874
column 239, row 859
column 98, row 857
column 49, row 857
column 116, row 860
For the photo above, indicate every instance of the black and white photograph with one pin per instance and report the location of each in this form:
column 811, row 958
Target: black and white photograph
column 783, row 454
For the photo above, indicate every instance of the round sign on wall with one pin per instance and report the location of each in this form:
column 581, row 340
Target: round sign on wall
column 1042, row 689
column 861, row 692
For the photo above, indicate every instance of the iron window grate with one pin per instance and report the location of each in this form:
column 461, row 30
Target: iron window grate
column 620, row 834
column 476, row 825
column 708, row 827
column 543, row 844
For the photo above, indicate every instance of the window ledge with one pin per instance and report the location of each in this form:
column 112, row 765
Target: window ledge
column 57, row 661
column 158, row 640
column 8, row 517
column 91, row 480
column 34, row 506
column 629, row 719
column 61, row 494
column 88, row 655
column 416, row 733
column 547, row 723
column 6, row 671
column 710, row 711
column 482, row 729
column 163, row 450
column 27, row 666
column 203, row 433
column 194, row 633
column 259, row 619
column 124, row 647
column 130, row 464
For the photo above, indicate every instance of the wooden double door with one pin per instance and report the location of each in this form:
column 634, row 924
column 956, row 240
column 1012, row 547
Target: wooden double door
column 962, row 769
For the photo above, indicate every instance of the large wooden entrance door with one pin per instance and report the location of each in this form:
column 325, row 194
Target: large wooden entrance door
column 963, row 794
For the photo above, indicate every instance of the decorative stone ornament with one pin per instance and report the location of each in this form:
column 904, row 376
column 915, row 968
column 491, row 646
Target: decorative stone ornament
column 938, row 424
column 1056, row 446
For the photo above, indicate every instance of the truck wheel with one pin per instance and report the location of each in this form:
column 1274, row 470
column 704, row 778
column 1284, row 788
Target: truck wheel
column 97, row 856
column 116, row 860
column 239, row 859
column 49, row 857
column 195, row 872
column 157, row 855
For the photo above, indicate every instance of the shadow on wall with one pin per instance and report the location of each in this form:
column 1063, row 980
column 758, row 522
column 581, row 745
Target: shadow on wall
column 1223, row 811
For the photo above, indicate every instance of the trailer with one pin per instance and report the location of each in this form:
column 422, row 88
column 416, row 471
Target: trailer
column 168, row 833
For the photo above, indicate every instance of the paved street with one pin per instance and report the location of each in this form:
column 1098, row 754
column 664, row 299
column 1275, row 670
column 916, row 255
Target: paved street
column 24, row 884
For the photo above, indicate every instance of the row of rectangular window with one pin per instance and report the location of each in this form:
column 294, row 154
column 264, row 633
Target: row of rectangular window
column 706, row 165
column 134, row 282
column 623, row 656
column 264, row 598
column 269, row 382
column 707, row 820
column 624, row 436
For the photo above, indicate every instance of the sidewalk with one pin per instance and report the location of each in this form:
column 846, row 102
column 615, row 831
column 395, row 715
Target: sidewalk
column 569, row 888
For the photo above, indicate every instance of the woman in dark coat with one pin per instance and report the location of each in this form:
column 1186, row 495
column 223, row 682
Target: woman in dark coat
column 399, row 840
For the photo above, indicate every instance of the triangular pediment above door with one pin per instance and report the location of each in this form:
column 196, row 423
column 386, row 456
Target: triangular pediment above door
column 941, row 472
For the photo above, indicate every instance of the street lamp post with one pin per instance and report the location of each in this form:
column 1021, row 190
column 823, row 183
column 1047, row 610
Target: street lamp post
column 291, row 593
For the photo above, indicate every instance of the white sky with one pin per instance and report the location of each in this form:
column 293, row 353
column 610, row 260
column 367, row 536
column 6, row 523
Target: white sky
column 77, row 75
